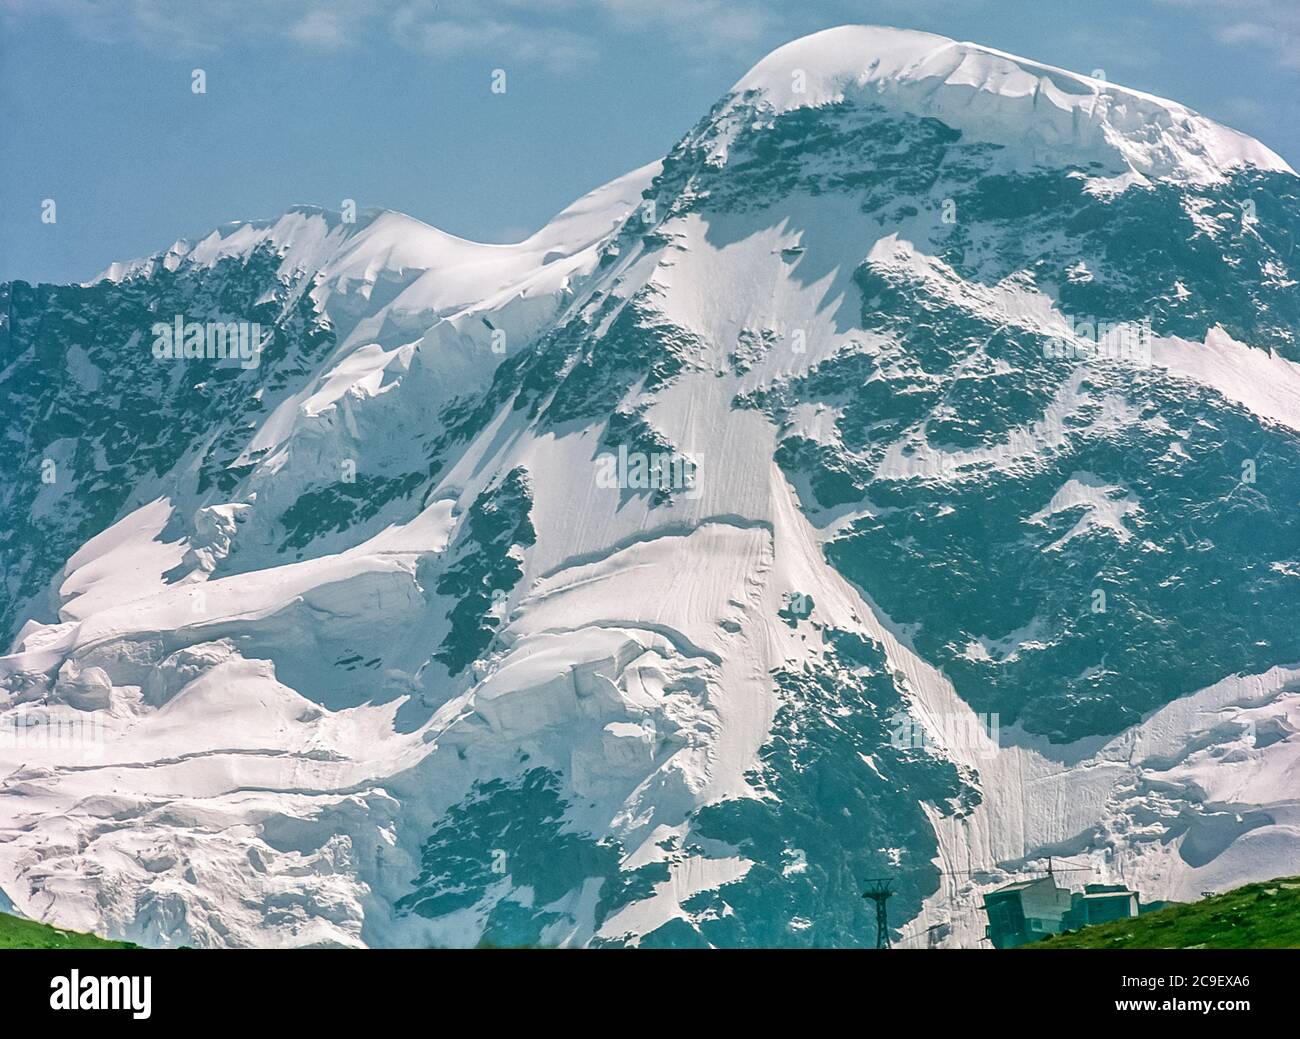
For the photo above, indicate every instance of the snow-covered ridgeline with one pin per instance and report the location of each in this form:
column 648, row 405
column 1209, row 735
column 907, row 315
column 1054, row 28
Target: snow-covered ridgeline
column 1041, row 113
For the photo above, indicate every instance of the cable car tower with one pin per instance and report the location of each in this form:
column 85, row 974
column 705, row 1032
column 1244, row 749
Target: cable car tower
column 878, row 890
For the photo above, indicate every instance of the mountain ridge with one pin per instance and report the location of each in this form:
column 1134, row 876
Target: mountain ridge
column 862, row 57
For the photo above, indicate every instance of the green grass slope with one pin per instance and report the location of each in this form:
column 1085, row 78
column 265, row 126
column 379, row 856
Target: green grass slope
column 17, row 933
column 1257, row 916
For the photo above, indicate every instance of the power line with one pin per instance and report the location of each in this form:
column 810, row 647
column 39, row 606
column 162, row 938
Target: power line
column 1050, row 870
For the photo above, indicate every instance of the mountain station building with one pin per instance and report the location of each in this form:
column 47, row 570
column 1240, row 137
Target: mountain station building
column 1028, row 910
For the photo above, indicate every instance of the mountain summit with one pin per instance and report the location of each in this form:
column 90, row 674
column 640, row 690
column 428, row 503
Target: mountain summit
column 1043, row 114
column 897, row 479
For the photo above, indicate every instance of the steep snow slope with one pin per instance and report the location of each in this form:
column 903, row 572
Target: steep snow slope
column 655, row 579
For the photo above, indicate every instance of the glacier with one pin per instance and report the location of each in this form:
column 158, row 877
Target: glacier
column 355, row 648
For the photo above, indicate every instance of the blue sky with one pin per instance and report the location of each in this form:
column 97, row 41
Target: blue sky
column 389, row 101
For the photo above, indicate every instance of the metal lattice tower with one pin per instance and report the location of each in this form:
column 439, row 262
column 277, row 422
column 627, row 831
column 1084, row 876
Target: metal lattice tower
column 879, row 890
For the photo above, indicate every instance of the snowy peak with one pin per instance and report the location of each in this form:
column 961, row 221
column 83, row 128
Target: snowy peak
column 445, row 272
column 1047, row 115
column 300, row 234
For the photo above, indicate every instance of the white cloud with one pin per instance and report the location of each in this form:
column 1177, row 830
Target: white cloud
column 563, row 34
column 498, row 32
column 557, row 34
column 323, row 30
column 1271, row 26
column 702, row 25
column 167, row 25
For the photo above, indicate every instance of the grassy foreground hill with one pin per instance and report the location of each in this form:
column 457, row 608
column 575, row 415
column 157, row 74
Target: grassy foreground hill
column 1258, row 916
column 17, row 933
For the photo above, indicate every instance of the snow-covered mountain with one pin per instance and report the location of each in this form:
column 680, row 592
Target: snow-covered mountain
column 900, row 478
